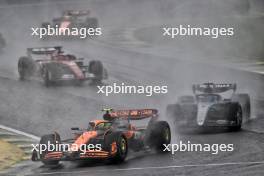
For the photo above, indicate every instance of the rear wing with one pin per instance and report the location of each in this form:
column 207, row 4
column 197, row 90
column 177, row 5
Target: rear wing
column 76, row 12
column 134, row 114
column 213, row 88
column 45, row 50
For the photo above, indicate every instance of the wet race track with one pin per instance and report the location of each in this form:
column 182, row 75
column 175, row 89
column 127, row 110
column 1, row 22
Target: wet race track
column 29, row 106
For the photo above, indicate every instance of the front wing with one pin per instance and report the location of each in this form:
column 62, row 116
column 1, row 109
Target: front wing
column 207, row 117
column 71, row 156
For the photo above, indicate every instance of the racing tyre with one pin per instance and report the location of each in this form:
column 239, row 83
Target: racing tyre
column 121, row 144
column 158, row 135
column 92, row 22
column 96, row 67
column 51, row 139
column 26, row 67
column 244, row 101
column 238, row 118
column 45, row 26
column 47, row 78
column 105, row 74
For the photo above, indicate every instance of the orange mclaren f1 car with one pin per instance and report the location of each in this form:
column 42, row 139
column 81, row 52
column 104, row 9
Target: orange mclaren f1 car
column 108, row 139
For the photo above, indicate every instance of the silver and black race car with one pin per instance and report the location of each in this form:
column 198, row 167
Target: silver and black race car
column 52, row 65
column 212, row 105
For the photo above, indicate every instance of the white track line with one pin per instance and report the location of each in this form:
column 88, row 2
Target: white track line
column 20, row 132
column 158, row 167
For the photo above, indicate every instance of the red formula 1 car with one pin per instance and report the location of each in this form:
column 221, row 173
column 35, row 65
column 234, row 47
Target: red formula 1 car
column 73, row 20
column 51, row 65
column 107, row 139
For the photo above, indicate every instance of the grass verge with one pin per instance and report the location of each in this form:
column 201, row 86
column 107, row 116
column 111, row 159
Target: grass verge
column 9, row 155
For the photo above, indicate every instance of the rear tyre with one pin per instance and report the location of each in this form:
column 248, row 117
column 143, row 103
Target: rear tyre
column 121, row 144
column 92, row 22
column 26, row 68
column 45, row 25
column 51, row 139
column 96, row 67
column 158, row 135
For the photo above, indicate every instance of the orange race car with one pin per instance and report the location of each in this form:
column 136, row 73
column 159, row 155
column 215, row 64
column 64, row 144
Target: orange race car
column 109, row 138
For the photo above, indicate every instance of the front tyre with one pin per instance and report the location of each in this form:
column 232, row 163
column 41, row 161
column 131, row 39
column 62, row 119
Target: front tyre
column 158, row 135
column 46, row 75
column 52, row 139
column 121, row 147
column 238, row 119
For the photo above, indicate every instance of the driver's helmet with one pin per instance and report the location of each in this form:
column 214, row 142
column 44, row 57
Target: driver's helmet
column 107, row 115
column 212, row 98
column 103, row 126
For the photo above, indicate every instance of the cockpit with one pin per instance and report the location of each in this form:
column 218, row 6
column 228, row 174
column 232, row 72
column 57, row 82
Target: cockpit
column 101, row 125
column 121, row 123
column 208, row 98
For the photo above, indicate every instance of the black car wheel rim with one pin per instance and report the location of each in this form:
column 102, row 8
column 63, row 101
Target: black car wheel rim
column 239, row 116
column 167, row 135
column 123, row 146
